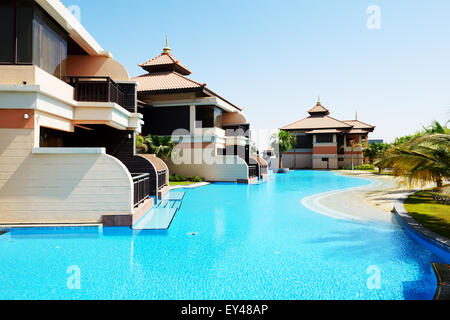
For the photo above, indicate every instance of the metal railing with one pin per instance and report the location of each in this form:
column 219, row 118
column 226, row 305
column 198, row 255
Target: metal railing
column 162, row 179
column 238, row 130
column 264, row 169
column 99, row 89
column 252, row 170
column 141, row 182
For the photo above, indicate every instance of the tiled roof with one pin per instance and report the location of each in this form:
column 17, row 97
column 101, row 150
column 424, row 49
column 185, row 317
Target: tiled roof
column 164, row 81
column 358, row 124
column 165, row 59
column 311, row 123
column 319, row 131
column 319, row 109
column 357, row 131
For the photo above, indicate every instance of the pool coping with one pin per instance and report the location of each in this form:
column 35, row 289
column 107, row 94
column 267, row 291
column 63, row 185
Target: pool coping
column 441, row 271
column 411, row 224
column 190, row 186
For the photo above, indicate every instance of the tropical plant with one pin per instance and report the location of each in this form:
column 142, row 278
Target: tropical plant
column 375, row 150
column 422, row 160
column 402, row 140
column 141, row 147
column 436, row 127
column 282, row 142
column 162, row 147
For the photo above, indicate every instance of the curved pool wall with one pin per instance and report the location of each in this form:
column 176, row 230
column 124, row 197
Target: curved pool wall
column 227, row 241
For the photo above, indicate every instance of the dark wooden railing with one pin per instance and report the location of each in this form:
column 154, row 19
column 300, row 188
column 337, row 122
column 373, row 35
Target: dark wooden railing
column 99, row 89
column 162, row 179
column 252, row 170
column 141, row 183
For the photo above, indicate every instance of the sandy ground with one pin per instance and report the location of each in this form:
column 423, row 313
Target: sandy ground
column 373, row 202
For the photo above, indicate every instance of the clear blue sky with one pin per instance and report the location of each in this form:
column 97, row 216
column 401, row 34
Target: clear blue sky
column 274, row 57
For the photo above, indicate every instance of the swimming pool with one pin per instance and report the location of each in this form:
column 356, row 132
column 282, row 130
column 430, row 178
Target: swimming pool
column 227, row 241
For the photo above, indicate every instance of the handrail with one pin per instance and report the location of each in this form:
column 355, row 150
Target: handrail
column 141, row 182
column 96, row 88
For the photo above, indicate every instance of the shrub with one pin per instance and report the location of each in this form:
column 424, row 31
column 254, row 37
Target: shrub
column 196, row 179
column 365, row 167
column 346, row 168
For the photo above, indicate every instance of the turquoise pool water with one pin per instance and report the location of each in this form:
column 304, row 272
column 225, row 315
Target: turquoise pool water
column 251, row 242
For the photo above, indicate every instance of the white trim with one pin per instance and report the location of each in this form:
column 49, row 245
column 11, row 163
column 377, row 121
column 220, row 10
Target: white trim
column 198, row 102
column 77, row 32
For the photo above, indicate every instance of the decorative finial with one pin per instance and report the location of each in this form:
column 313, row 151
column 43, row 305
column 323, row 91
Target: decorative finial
column 167, row 48
column 356, row 115
column 318, row 100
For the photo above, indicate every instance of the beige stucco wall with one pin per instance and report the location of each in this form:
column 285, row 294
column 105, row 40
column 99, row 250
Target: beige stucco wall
column 58, row 188
column 301, row 161
column 229, row 118
column 96, row 66
column 226, row 168
column 319, row 164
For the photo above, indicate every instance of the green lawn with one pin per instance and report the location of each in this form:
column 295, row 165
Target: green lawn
column 428, row 212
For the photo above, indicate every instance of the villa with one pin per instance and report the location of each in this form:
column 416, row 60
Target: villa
column 326, row 143
column 68, row 121
column 212, row 135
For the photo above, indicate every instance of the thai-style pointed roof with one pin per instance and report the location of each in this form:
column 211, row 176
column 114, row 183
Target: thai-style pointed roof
column 165, row 81
column 318, row 109
column 165, row 62
column 317, row 122
column 166, row 75
column 356, row 124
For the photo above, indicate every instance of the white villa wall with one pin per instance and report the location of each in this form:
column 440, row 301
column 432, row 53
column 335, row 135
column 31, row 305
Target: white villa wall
column 225, row 168
column 297, row 161
column 58, row 188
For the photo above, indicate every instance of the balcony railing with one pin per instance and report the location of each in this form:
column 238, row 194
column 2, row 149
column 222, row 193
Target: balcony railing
column 162, row 179
column 237, row 130
column 252, row 170
column 141, row 182
column 99, row 89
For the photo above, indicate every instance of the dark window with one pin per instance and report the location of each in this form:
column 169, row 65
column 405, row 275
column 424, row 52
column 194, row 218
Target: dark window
column 24, row 25
column 209, row 116
column 29, row 35
column 49, row 45
column 7, row 31
column 304, row 142
column 325, row 159
column 340, row 159
column 324, row 138
column 164, row 121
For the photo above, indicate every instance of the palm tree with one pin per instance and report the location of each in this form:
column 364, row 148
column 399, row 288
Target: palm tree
column 422, row 160
column 162, row 147
column 354, row 145
column 282, row 141
column 436, row 127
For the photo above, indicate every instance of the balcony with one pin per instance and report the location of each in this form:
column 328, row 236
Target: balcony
column 252, row 170
column 141, row 182
column 239, row 130
column 162, row 179
column 98, row 89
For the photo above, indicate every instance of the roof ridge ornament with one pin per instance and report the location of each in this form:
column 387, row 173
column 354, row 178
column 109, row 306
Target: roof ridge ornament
column 167, row 48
